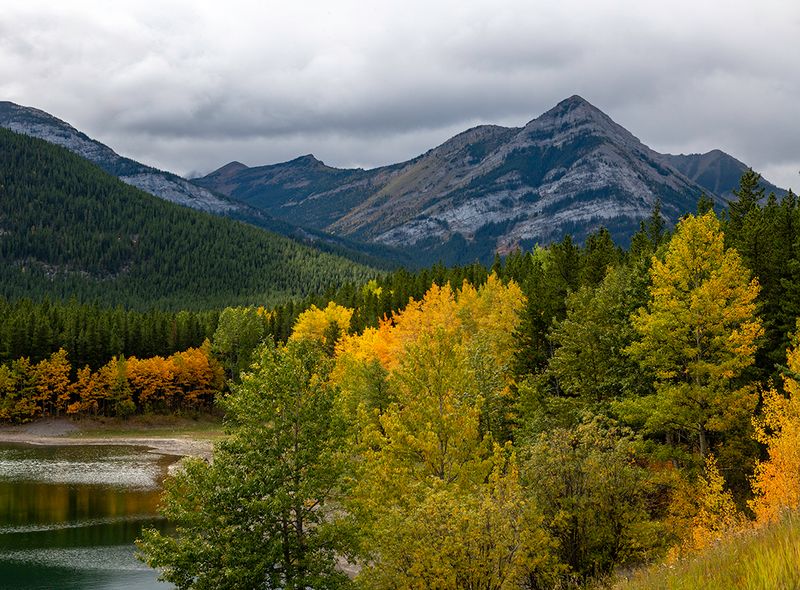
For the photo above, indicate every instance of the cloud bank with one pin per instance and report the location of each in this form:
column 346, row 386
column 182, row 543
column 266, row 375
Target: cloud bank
column 189, row 86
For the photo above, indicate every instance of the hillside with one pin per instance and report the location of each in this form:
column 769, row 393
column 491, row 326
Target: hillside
column 765, row 558
column 173, row 188
column 489, row 189
column 37, row 123
column 68, row 228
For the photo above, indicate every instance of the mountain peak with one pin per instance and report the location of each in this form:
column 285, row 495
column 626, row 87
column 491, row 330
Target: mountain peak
column 307, row 160
column 572, row 111
column 573, row 102
column 573, row 108
column 230, row 168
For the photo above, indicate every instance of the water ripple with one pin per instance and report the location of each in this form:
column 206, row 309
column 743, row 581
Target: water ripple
column 125, row 471
column 77, row 524
column 104, row 558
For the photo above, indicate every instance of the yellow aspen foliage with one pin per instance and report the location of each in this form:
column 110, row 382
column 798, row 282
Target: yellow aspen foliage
column 18, row 391
column 86, row 391
column 265, row 313
column 371, row 288
column 475, row 325
column 7, row 391
column 499, row 538
column 360, row 371
column 451, row 538
column 52, row 382
column 491, row 314
column 776, row 481
column 114, row 388
column 716, row 514
column 437, row 311
column 313, row 323
column 698, row 332
column 439, row 503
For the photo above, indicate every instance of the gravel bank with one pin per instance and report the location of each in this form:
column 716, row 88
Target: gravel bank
column 62, row 432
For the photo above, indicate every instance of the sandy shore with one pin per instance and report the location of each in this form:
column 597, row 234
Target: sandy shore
column 65, row 432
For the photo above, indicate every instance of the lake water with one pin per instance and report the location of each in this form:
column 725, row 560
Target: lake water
column 69, row 516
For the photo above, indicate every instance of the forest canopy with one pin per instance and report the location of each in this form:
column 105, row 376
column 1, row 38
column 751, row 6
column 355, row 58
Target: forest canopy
column 571, row 410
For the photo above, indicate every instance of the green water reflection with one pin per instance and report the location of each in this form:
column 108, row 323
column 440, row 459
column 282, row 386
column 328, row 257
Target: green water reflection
column 69, row 515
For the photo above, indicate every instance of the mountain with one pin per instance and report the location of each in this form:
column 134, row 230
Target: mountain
column 36, row 123
column 717, row 172
column 489, row 189
column 68, row 228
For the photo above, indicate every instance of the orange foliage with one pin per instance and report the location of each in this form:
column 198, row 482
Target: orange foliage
column 776, row 482
column 52, row 383
column 476, row 325
column 85, row 391
column 197, row 376
column 152, row 382
column 186, row 380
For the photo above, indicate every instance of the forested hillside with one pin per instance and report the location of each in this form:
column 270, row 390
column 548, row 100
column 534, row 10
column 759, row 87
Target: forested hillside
column 69, row 229
column 165, row 185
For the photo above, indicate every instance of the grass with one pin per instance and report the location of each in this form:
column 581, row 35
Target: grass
column 758, row 559
column 152, row 426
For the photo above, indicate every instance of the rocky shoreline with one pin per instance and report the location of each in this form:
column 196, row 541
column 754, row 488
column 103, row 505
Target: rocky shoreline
column 64, row 432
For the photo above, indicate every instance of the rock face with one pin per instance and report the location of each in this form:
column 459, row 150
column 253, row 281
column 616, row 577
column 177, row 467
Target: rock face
column 162, row 184
column 568, row 171
column 489, row 189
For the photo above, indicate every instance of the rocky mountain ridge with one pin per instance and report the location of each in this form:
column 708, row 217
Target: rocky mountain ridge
column 488, row 189
column 717, row 172
column 168, row 186
column 171, row 187
column 491, row 188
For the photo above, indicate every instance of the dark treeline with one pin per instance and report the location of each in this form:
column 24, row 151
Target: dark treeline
column 92, row 335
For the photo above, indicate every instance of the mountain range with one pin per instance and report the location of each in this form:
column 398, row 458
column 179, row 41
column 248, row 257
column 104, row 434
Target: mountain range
column 489, row 189
column 171, row 187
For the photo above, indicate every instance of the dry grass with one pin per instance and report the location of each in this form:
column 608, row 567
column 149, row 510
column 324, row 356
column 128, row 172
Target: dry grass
column 758, row 559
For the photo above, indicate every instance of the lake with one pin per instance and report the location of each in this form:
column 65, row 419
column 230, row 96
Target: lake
column 69, row 516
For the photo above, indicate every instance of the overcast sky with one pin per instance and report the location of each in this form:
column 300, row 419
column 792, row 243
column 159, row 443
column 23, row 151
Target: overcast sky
column 189, row 86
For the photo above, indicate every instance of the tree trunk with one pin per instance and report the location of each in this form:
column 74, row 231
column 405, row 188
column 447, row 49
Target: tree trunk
column 703, row 440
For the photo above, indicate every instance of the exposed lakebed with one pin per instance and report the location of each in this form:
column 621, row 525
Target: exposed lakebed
column 69, row 515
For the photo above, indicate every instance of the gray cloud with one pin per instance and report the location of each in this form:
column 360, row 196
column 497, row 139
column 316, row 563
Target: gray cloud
column 189, row 86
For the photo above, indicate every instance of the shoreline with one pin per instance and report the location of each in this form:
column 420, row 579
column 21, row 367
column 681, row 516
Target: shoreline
column 61, row 432
column 181, row 447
